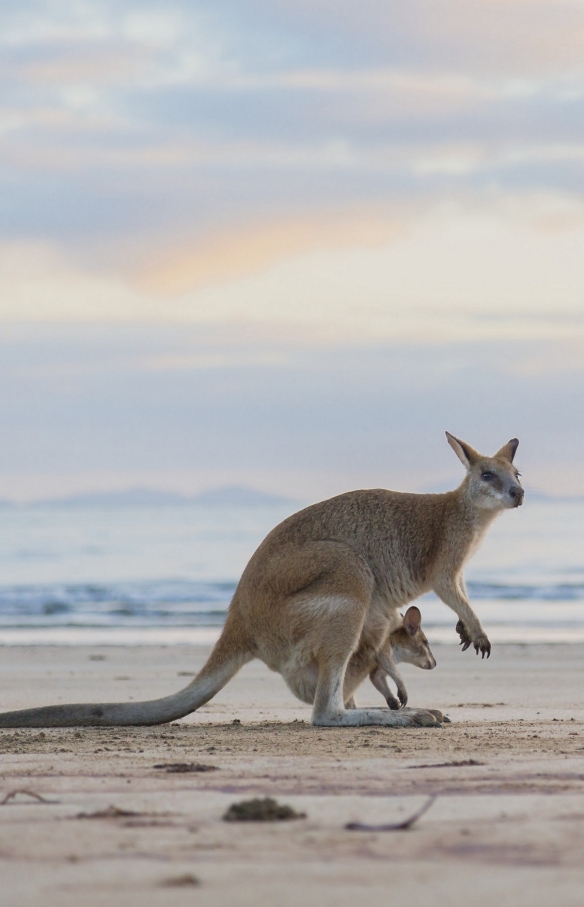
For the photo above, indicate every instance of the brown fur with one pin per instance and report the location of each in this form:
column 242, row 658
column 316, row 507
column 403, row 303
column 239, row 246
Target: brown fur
column 408, row 643
column 319, row 599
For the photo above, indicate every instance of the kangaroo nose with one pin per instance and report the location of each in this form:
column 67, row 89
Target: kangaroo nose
column 517, row 493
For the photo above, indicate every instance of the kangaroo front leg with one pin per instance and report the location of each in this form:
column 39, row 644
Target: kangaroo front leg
column 329, row 709
column 453, row 594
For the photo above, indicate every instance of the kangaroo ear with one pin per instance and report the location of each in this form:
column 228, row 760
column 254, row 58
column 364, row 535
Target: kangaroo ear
column 507, row 452
column 412, row 620
column 465, row 453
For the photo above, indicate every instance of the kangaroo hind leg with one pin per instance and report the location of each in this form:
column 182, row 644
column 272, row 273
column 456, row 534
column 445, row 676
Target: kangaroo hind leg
column 329, row 709
column 334, row 655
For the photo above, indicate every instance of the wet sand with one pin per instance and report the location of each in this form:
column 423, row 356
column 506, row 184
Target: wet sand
column 507, row 826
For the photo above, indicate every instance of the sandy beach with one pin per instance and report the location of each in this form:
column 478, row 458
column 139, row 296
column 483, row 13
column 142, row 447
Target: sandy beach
column 97, row 822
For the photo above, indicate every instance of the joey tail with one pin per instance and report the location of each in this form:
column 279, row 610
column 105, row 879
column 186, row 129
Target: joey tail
column 227, row 657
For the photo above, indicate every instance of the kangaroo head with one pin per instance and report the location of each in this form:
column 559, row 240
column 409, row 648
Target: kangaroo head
column 409, row 642
column 492, row 482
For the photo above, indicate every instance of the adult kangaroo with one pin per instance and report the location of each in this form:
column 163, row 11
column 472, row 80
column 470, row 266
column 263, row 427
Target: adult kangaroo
column 320, row 597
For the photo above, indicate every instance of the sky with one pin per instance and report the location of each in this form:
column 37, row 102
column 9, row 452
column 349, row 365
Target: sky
column 287, row 244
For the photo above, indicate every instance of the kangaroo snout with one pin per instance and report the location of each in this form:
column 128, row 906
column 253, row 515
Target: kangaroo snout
column 516, row 493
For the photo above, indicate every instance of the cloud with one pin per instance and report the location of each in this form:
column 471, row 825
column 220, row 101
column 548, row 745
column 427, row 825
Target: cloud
column 74, row 65
column 40, row 283
column 151, row 123
column 507, row 268
column 329, row 169
column 252, row 249
column 518, row 37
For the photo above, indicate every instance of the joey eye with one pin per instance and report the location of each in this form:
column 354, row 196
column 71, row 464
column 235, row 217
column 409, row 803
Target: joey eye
column 486, row 476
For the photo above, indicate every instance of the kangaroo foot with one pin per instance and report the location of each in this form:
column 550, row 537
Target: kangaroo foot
column 440, row 716
column 383, row 717
column 424, row 717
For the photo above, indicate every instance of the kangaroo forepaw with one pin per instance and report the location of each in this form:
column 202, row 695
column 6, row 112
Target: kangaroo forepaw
column 392, row 702
column 482, row 646
column 465, row 637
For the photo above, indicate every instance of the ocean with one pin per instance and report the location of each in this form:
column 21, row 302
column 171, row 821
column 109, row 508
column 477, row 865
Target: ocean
column 165, row 574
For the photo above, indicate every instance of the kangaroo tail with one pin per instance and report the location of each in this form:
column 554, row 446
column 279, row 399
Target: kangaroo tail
column 228, row 656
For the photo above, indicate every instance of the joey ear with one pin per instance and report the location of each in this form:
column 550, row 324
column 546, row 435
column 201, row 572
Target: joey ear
column 507, row 452
column 465, row 453
column 412, row 620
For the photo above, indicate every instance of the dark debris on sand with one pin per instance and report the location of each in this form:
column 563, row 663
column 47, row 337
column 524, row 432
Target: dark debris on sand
column 261, row 809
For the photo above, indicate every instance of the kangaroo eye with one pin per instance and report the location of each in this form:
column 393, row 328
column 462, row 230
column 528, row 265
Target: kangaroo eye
column 486, row 476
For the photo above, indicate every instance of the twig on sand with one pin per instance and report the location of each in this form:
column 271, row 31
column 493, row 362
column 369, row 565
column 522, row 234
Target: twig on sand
column 112, row 812
column 27, row 793
column 394, row 826
column 179, row 768
column 456, row 763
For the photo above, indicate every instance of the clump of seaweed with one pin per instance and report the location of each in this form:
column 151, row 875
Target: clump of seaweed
column 185, row 881
column 261, row 809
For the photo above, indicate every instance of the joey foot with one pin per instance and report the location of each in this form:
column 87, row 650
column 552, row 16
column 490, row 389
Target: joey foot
column 481, row 643
column 402, row 696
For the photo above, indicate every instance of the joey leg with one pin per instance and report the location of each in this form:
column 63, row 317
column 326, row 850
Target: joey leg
column 378, row 678
column 386, row 665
